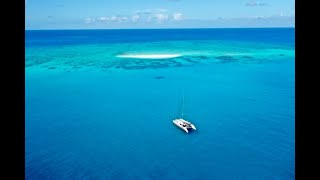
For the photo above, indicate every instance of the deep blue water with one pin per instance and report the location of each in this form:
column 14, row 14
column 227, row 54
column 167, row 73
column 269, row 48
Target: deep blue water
column 72, row 37
column 93, row 115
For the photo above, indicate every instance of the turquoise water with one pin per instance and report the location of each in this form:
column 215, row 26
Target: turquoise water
column 91, row 114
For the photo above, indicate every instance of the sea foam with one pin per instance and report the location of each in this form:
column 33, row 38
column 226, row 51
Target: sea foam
column 149, row 56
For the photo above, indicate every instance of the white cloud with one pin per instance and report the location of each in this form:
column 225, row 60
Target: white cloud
column 137, row 12
column 283, row 14
column 89, row 20
column 177, row 16
column 255, row 4
column 103, row 19
column 122, row 19
column 148, row 15
column 161, row 17
column 118, row 18
column 259, row 17
column 135, row 18
column 106, row 19
column 113, row 18
column 162, row 10
column 146, row 11
column 149, row 18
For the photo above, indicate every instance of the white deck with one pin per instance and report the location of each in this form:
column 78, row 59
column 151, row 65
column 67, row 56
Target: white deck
column 184, row 125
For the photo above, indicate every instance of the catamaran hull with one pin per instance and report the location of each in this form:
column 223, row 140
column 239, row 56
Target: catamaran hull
column 178, row 122
column 181, row 127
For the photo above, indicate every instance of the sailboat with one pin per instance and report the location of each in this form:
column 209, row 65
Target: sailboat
column 182, row 123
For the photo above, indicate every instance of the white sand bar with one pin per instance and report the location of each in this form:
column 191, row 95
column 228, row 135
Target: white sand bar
column 149, row 56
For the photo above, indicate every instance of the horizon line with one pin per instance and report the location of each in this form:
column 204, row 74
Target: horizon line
column 163, row 28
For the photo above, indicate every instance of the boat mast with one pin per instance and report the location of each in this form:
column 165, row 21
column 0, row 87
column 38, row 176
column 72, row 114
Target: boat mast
column 182, row 106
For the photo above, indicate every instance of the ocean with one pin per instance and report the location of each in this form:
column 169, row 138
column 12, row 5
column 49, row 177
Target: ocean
column 99, row 104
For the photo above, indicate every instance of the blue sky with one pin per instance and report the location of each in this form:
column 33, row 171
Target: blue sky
column 109, row 14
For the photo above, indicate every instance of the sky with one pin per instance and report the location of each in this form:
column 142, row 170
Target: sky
column 136, row 14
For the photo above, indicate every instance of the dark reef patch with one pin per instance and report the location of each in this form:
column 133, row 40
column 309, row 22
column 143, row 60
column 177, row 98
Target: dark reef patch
column 170, row 61
column 159, row 77
column 226, row 59
column 37, row 60
column 51, row 67
column 157, row 66
column 105, row 67
column 203, row 57
column 153, row 64
column 139, row 62
column 133, row 67
column 246, row 57
column 189, row 60
column 156, row 63
column 178, row 64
